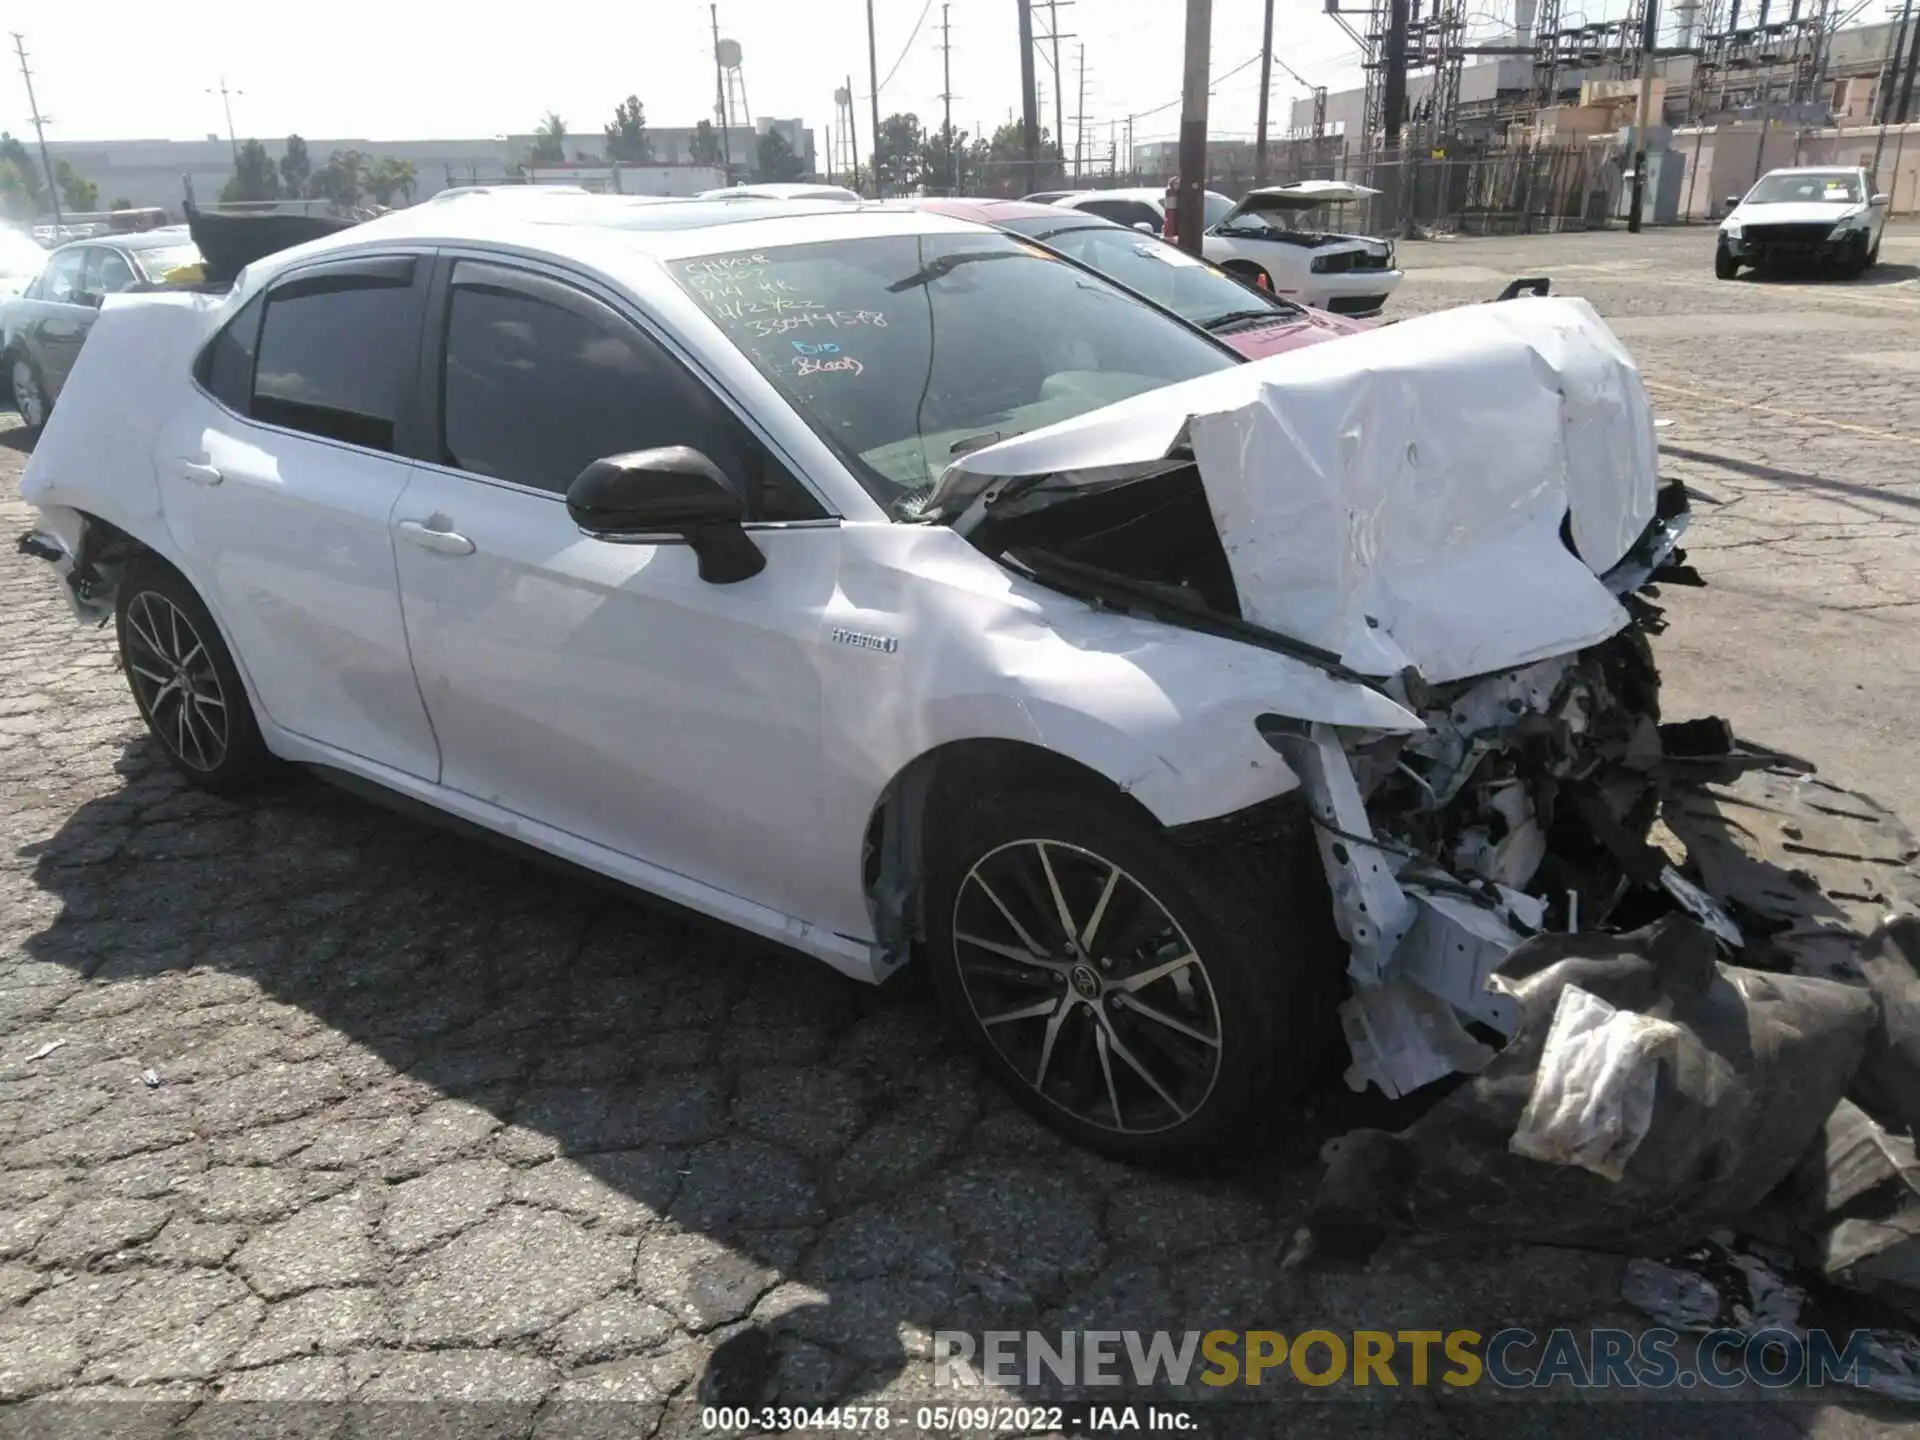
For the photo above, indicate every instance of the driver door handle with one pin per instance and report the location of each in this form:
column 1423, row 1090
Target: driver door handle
column 441, row 542
column 200, row 474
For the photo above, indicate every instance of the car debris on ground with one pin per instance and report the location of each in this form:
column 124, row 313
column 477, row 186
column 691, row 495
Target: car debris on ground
column 1736, row 1113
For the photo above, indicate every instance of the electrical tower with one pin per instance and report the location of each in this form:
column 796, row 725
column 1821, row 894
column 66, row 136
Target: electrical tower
column 1563, row 52
column 1435, row 46
column 1771, row 57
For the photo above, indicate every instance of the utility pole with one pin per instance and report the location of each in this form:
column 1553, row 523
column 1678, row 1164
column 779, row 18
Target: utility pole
column 1129, row 147
column 946, row 102
column 1906, row 83
column 853, row 136
column 720, row 97
column 1029, row 102
column 1059, row 88
column 1191, row 202
column 873, row 80
column 39, row 128
column 1266, row 85
column 1393, row 106
column 1080, row 115
column 227, row 105
column 1642, row 116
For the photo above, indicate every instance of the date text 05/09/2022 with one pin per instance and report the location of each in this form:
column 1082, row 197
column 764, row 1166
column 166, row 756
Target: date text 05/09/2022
column 943, row 1419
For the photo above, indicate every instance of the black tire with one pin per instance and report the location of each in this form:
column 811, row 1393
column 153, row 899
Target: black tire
column 1269, row 977
column 1725, row 267
column 31, row 424
column 207, row 732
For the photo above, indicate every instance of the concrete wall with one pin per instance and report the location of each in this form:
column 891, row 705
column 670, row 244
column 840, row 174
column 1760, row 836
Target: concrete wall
column 1725, row 161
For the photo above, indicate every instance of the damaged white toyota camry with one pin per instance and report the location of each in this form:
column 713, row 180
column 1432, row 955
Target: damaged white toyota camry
column 879, row 583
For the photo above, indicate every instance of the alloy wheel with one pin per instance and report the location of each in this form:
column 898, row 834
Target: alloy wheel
column 27, row 398
column 174, row 677
column 1087, row 986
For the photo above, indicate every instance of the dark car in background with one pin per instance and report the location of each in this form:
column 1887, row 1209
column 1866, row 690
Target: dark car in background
column 42, row 329
column 1252, row 321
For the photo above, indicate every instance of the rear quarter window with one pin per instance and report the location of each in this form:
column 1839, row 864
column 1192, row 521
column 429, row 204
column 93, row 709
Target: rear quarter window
column 225, row 367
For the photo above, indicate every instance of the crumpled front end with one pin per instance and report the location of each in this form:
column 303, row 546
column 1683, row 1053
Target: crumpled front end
column 1461, row 512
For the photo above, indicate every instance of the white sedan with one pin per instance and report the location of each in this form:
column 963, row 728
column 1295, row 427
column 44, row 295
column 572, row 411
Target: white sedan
column 1277, row 238
column 884, row 584
column 1805, row 215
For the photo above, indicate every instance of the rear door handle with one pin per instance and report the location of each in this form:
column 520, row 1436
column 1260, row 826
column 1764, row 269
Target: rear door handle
column 200, row 474
column 441, row 542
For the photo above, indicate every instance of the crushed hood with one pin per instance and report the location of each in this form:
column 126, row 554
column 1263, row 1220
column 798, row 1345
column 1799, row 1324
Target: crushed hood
column 1397, row 499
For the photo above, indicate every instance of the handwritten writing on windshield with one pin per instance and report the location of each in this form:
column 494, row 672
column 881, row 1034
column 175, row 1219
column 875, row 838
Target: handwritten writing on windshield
column 842, row 365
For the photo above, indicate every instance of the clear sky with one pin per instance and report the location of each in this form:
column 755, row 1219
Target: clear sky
column 401, row 69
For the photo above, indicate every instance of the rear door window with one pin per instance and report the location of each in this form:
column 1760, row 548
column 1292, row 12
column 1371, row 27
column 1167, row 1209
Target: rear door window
column 337, row 352
column 62, row 282
column 107, row 272
column 225, row 368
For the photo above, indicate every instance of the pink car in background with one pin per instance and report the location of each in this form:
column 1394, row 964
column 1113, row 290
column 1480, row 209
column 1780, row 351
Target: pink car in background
column 1254, row 322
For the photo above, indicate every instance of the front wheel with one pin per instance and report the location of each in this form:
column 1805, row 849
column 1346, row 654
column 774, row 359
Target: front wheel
column 1725, row 267
column 1147, row 999
column 185, row 682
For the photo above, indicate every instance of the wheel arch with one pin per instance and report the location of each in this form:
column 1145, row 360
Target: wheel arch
column 1250, row 271
column 893, row 851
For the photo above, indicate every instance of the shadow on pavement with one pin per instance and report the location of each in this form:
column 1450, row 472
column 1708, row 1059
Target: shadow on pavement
column 805, row 1176
column 1793, row 479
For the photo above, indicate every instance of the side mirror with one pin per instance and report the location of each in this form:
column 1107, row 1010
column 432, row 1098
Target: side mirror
column 674, row 490
column 1145, row 227
column 1882, row 199
column 1732, row 201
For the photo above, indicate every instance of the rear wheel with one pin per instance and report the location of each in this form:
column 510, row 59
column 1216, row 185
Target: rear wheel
column 184, row 681
column 29, row 392
column 1147, row 999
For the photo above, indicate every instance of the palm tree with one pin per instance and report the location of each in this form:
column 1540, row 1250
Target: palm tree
column 550, row 140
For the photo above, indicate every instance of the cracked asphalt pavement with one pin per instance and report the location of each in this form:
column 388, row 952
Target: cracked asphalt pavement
column 301, row 1101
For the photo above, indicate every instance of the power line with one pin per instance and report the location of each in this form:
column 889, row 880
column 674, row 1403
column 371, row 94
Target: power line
column 905, row 48
column 1142, row 114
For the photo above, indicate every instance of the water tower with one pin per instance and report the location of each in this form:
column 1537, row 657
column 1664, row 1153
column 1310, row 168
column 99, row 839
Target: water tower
column 845, row 134
column 732, row 113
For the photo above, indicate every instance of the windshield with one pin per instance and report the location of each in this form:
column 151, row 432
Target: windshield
column 1166, row 275
column 906, row 351
column 162, row 258
column 1790, row 189
column 1215, row 208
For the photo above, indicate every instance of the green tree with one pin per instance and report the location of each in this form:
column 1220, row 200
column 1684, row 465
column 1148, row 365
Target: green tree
column 79, row 192
column 339, row 181
column 899, row 155
column 389, row 176
column 296, row 168
column 950, row 162
column 775, row 160
column 1007, row 157
column 121, row 203
column 31, row 181
column 254, row 177
column 16, row 198
column 627, row 138
column 550, row 140
column 704, row 148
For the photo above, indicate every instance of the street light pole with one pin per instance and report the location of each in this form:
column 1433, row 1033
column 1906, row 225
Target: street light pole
column 1266, row 85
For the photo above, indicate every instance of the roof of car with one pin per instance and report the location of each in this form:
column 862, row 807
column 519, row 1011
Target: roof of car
column 783, row 191
column 607, row 227
column 1815, row 170
column 169, row 237
column 999, row 212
